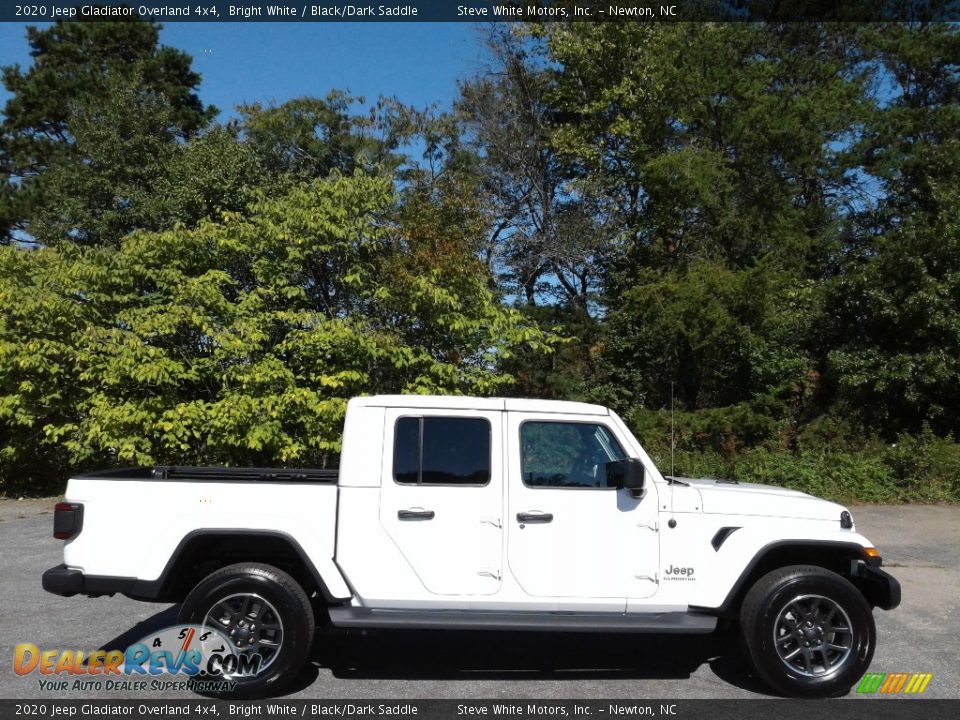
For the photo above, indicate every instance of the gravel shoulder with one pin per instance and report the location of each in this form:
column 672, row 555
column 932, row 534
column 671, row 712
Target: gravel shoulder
column 20, row 508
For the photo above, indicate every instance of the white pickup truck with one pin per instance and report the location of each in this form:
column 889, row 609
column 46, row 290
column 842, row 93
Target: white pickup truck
column 481, row 514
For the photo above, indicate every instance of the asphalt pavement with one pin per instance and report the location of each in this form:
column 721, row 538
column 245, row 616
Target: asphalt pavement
column 919, row 544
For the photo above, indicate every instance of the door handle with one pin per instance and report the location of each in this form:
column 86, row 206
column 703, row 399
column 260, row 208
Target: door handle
column 415, row 514
column 534, row 517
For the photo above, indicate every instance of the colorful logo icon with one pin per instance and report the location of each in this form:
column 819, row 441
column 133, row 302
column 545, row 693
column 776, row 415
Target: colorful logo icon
column 894, row 683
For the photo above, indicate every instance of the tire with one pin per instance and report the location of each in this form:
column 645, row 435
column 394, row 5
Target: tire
column 239, row 597
column 808, row 632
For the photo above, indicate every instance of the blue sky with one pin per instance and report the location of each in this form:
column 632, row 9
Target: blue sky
column 419, row 63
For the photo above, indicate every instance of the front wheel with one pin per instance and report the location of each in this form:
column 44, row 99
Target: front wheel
column 808, row 631
column 267, row 617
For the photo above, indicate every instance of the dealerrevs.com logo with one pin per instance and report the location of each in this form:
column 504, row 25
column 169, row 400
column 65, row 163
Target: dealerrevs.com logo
column 182, row 657
column 894, row 683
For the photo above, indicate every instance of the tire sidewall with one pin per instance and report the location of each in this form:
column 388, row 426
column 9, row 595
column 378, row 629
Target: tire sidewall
column 760, row 637
column 297, row 632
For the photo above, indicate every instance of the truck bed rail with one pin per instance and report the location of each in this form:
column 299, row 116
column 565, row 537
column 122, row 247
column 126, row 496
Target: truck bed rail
column 217, row 474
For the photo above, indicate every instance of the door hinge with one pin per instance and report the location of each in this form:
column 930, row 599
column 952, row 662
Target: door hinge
column 655, row 527
column 494, row 574
column 651, row 578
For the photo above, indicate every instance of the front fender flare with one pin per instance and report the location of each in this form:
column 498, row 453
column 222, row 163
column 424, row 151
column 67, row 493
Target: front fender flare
column 837, row 549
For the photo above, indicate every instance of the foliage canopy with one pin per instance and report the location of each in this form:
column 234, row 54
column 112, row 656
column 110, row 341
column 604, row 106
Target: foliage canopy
column 758, row 223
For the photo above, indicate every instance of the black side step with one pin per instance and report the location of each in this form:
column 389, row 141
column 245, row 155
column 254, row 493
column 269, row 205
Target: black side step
column 670, row 622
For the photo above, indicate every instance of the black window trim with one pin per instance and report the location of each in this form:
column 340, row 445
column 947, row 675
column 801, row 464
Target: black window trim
column 565, row 422
column 419, row 482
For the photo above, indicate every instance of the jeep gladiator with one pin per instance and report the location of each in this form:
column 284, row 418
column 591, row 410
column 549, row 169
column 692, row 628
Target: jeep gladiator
column 481, row 514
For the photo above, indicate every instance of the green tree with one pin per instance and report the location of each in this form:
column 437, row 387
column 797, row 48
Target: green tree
column 42, row 313
column 713, row 149
column 239, row 340
column 896, row 299
column 710, row 336
column 310, row 137
column 543, row 233
column 708, row 140
column 211, row 173
column 87, row 126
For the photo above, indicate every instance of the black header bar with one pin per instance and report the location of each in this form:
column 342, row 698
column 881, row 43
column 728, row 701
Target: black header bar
column 486, row 11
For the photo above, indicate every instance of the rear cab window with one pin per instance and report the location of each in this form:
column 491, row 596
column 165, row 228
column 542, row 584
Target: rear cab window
column 441, row 451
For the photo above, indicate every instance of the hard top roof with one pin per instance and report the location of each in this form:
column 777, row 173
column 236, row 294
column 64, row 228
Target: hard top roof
column 457, row 402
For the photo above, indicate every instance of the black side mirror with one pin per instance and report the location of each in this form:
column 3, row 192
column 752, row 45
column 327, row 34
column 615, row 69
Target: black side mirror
column 628, row 473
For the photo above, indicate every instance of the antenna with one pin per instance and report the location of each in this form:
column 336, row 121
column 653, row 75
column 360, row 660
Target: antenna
column 672, row 436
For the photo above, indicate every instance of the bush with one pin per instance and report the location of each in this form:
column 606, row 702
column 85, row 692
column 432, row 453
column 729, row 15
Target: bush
column 924, row 466
column 829, row 457
column 843, row 477
column 722, row 430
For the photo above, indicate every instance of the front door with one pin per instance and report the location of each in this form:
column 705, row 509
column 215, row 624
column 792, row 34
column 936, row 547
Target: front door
column 569, row 534
column 441, row 497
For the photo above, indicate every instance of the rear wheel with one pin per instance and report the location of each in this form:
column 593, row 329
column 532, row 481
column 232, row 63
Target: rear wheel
column 808, row 631
column 265, row 614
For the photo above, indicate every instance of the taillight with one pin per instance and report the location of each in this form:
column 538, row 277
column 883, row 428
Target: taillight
column 67, row 520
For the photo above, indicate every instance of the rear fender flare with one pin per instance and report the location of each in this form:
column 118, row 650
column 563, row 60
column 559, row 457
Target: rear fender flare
column 324, row 571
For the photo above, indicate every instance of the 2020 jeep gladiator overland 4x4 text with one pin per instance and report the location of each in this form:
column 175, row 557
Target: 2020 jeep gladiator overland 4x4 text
column 486, row 514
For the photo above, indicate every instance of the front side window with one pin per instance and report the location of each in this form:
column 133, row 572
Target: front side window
column 566, row 454
column 441, row 451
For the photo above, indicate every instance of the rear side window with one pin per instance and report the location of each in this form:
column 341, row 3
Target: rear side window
column 441, row 451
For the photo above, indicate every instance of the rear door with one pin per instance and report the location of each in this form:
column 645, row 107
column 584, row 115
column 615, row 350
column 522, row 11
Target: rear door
column 441, row 497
